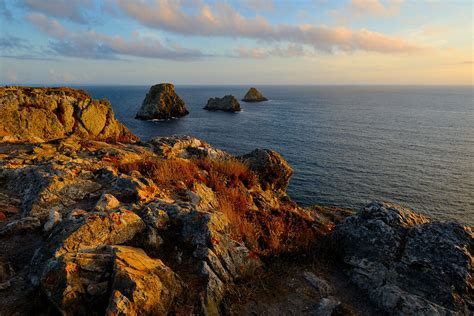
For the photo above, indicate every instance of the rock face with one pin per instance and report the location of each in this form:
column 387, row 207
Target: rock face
column 274, row 172
column 253, row 95
column 41, row 114
column 162, row 103
column 228, row 104
column 409, row 264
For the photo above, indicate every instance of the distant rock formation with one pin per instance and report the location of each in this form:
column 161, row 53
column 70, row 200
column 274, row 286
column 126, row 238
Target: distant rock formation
column 253, row 95
column 228, row 103
column 162, row 103
column 41, row 114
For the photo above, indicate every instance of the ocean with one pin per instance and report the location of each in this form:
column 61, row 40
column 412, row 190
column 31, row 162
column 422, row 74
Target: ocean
column 348, row 145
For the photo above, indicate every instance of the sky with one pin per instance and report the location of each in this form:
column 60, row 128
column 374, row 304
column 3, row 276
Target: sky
column 198, row 42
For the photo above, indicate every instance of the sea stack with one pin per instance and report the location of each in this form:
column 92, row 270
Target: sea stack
column 253, row 95
column 228, row 104
column 162, row 103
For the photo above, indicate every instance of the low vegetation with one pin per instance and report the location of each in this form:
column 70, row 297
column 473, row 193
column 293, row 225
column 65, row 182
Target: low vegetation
column 265, row 230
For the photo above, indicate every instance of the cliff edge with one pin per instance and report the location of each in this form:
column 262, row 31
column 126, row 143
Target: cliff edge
column 42, row 114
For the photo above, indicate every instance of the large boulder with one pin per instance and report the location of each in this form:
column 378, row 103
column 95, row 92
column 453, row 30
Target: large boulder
column 408, row 264
column 228, row 104
column 110, row 279
column 162, row 103
column 184, row 147
column 42, row 114
column 253, row 95
column 273, row 170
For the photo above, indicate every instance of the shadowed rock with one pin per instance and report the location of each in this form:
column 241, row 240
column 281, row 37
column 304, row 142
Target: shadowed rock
column 228, row 104
column 41, row 114
column 162, row 103
column 409, row 264
column 253, row 95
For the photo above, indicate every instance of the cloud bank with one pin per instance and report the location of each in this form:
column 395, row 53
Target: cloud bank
column 222, row 20
column 95, row 45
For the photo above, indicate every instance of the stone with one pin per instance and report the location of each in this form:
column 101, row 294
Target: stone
column 185, row 147
column 273, row 170
column 53, row 219
column 228, row 104
column 253, row 95
column 107, row 202
column 408, row 263
column 320, row 285
column 57, row 113
column 112, row 278
column 326, row 306
column 21, row 226
column 162, row 103
column 6, row 273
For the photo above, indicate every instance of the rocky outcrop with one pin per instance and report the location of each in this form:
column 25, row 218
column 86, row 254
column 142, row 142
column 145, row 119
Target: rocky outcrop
column 274, row 172
column 228, row 104
column 185, row 147
column 87, row 204
column 162, row 103
column 253, row 95
column 408, row 264
column 42, row 114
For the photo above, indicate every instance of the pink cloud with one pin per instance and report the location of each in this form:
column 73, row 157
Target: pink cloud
column 222, row 20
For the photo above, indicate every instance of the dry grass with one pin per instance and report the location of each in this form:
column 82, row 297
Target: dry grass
column 264, row 231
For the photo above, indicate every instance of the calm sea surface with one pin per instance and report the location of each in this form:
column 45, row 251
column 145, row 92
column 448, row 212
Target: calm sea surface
column 348, row 145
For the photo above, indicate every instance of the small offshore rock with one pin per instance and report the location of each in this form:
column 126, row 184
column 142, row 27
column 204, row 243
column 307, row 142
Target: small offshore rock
column 162, row 103
column 227, row 104
column 253, row 95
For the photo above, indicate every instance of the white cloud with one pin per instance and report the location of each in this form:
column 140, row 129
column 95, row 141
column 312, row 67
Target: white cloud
column 46, row 25
column 95, row 45
column 73, row 10
column 222, row 20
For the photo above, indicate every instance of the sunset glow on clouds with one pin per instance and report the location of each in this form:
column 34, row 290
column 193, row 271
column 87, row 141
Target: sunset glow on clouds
column 294, row 42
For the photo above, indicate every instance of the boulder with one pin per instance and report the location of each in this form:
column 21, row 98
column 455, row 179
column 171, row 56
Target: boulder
column 253, row 95
column 42, row 114
column 162, row 103
column 111, row 279
column 273, row 170
column 185, row 147
column 407, row 263
column 228, row 104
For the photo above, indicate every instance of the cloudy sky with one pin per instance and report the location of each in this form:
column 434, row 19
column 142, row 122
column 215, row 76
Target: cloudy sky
column 236, row 42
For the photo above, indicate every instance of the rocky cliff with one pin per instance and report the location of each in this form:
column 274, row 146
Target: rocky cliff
column 253, row 95
column 41, row 114
column 228, row 104
column 175, row 226
column 162, row 103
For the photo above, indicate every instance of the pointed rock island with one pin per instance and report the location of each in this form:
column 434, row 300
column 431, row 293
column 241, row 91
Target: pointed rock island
column 228, row 104
column 253, row 95
column 162, row 103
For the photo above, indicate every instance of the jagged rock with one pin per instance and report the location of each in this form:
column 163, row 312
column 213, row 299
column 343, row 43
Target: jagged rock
column 253, row 95
column 273, row 170
column 40, row 114
column 6, row 273
column 20, row 226
column 162, row 103
column 408, row 263
column 107, row 202
column 185, row 147
column 79, row 282
column 228, row 104
column 319, row 284
column 53, row 219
